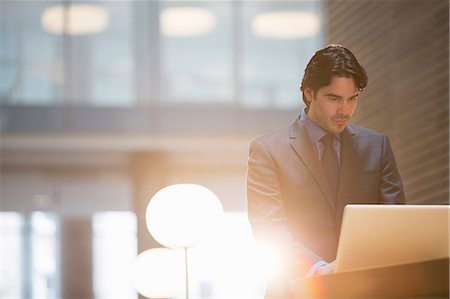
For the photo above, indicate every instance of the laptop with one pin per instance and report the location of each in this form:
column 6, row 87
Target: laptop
column 384, row 235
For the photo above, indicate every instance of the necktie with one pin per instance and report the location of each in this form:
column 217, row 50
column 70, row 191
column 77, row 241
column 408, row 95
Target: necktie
column 330, row 162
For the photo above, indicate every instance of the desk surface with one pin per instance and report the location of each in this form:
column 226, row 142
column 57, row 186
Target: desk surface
column 428, row 279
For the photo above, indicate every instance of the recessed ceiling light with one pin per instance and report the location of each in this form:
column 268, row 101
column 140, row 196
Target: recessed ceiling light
column 286, row 24
column 186, row 22
column 75, row 19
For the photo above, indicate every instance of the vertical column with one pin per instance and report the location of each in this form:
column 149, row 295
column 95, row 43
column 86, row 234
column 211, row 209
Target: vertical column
column 147, row 52
column 27, row 257
column 149, row 176
column 76, row 257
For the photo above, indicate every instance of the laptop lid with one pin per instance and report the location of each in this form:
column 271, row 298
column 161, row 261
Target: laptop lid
column 385, row 235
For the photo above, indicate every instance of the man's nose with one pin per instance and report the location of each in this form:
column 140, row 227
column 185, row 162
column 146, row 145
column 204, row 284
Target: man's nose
column 344, row 107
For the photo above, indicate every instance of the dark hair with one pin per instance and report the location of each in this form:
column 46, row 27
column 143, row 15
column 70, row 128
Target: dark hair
column 333, row 60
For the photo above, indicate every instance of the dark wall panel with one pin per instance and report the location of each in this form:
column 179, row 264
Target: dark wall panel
column 404, row 45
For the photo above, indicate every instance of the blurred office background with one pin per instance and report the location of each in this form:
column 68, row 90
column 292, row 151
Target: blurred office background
column 102, row 107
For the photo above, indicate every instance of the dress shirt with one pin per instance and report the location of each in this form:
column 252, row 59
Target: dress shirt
column 315, row 133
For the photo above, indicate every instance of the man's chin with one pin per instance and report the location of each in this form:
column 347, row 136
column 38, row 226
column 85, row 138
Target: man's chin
column 337, row 129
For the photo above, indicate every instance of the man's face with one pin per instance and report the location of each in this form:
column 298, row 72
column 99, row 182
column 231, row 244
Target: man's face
column 332, row 106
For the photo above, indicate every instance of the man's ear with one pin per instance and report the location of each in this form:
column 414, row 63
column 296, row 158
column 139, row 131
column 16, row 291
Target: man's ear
column 309, row 94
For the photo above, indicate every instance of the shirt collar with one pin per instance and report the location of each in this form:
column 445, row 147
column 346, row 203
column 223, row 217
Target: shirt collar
column 314, row 131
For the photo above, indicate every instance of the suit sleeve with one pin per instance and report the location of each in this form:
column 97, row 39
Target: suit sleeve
column 266, row 209
column 391, row 187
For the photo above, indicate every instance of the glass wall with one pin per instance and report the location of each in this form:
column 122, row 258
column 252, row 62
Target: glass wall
column 44, row 255
column 31, row 259
column 278, row 38
column 31, row 67
column 197, row 59
column 159, row 53
column 29, row 255
column 12, row 264
column 115, row 247
column 43, row 67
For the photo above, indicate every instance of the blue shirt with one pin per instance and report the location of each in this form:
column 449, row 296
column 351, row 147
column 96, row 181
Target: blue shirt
column 315, row 133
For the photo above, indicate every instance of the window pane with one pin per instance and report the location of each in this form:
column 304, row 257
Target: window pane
column 11, row 225
column 115, row 247
column 273, row 63
column 197, row 59
column 112, row 58
column 45, row 261
column 29, row 55
column 29, row 256
column 42, row 67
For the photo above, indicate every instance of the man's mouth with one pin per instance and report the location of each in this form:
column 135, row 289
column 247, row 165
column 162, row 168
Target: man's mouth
column 340, row 120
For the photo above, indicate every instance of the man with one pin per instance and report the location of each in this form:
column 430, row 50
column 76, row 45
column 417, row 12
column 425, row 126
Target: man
column 300, row 177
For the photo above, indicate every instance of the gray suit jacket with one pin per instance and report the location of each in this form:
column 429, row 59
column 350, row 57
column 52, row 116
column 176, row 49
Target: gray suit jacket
column 290, row 202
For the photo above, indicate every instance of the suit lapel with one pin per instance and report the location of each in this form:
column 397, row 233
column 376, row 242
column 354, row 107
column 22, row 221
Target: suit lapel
column 301, row 144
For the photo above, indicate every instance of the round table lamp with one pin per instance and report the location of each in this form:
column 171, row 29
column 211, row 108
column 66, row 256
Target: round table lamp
column 183, row 215
column 159, row 273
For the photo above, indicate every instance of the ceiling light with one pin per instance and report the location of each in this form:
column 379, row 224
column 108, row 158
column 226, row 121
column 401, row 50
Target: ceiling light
column 286, row 24
column 186, row 22
column 75, row 19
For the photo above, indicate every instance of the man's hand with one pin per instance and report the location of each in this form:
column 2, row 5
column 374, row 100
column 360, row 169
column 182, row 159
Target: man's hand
column 327, row 269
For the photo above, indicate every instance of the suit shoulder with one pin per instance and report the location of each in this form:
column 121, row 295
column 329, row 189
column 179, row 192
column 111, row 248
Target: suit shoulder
column 273, row 137
column 365, row 131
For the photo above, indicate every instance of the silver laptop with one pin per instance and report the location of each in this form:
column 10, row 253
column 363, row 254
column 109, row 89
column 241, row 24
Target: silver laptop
column 384, row 235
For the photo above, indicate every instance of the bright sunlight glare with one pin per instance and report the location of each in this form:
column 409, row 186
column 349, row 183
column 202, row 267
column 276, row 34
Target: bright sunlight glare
column 234, row 265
